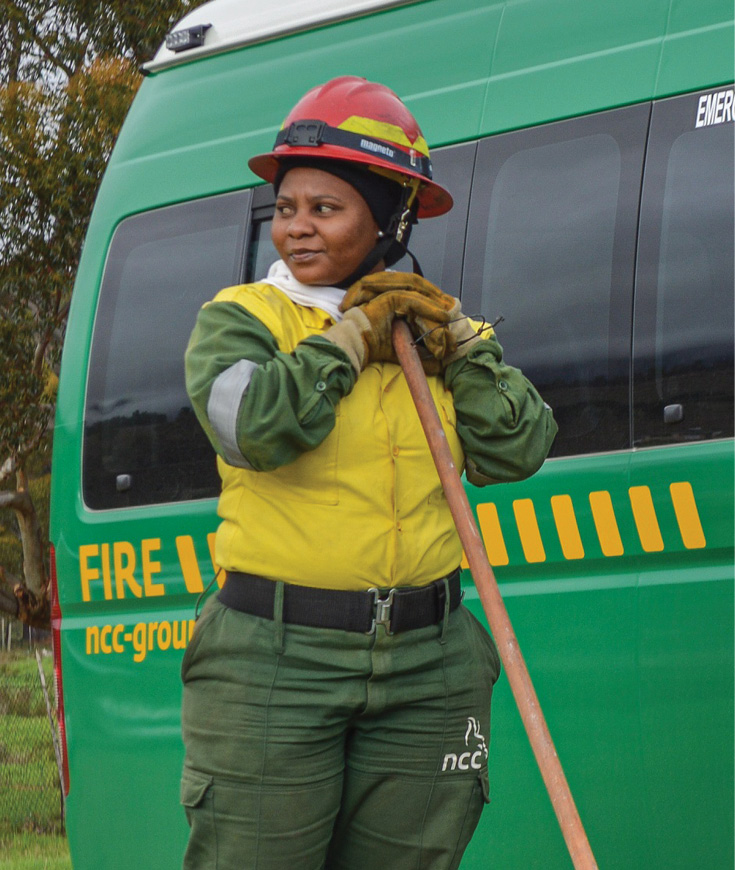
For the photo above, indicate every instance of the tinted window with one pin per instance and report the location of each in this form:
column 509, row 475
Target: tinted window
column 261, row 250
column 438, row 243
column 684, row 294
column 550, row 250
column 142, row 443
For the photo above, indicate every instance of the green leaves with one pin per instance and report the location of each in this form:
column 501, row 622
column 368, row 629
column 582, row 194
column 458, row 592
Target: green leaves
column 68, row 73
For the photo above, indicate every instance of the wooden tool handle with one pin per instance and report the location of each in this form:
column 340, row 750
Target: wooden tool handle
column 493, row 605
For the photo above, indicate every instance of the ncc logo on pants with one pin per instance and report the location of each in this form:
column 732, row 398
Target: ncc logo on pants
column 476, row 751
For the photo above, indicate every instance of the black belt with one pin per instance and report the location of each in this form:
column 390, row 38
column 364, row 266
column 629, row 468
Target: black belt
column 400, row 609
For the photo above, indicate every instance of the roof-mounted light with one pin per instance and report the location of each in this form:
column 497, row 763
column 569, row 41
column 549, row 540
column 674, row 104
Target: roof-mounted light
column 189, row 37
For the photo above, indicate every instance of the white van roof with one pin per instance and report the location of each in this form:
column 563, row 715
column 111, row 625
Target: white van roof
column 232, row 23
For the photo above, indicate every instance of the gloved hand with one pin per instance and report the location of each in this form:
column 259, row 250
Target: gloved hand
column 445, row 340
column 365, row 332
column 429, row 323
column 375, row 283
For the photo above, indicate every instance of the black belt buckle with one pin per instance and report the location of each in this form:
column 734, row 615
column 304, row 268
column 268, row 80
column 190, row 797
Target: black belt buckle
column 382, row 609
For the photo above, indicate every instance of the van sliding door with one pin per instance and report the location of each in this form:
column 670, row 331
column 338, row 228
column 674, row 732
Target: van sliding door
column 682, row 476
column 551, row 250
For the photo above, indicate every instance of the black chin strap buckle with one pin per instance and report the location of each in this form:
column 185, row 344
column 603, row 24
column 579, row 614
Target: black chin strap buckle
column 404, row 221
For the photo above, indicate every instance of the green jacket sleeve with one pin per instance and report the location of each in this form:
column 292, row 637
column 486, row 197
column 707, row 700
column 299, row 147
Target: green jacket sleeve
column 261, row 408
column 505, row 427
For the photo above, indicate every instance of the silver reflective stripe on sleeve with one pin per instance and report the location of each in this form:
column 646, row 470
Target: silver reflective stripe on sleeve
column 224, row 403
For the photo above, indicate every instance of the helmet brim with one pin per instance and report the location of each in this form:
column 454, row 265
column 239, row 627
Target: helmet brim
column 433, row 200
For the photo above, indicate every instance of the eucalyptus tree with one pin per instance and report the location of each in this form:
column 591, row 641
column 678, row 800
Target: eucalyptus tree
column 68, row 72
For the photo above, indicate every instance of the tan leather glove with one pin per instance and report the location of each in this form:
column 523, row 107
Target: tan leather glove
column 365, row 332
column 375, row 283
column 428, row 323
column 463, row 335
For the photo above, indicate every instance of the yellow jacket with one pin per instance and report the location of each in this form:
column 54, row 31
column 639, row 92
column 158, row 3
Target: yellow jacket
column 327, row 479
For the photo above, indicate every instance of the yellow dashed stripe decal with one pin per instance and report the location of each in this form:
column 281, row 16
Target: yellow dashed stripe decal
column 606, row 524
column 533, row 548
column 492, row 534
column 605, row 521
column 189, row 564
column 566, row 526
column 687, row 515
column 211, row 537
column 645, row 519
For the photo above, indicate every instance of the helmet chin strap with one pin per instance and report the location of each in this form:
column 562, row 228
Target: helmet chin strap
column 392, row 243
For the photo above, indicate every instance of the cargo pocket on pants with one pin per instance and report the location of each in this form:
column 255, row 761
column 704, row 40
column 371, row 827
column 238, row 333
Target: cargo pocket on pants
column 479, row 797
column 484, row 780
column 196, row 798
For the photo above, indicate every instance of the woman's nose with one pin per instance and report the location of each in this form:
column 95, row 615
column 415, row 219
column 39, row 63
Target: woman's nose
column 300, row 225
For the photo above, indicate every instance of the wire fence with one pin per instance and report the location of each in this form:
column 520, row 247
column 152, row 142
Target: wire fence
column 31, row 798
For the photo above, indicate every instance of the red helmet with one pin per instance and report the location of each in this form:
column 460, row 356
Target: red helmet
column 352, row 119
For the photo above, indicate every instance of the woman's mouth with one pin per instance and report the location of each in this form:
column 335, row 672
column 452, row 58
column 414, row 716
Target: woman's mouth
column 302, row 255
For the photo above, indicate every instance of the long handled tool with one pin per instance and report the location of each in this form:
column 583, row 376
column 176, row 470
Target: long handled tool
column 493, row 605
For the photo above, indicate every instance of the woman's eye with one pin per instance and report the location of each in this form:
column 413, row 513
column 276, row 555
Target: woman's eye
column 324, row 208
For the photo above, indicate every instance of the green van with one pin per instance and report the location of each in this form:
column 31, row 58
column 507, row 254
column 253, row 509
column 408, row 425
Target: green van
column 589, row 150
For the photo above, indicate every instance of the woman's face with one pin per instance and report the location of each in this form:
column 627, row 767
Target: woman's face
column 322, row 228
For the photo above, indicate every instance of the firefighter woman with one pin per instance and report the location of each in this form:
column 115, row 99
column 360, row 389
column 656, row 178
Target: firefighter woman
column 336, row 709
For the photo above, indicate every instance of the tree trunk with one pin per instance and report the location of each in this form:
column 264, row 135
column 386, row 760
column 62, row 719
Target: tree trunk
column 28, row 600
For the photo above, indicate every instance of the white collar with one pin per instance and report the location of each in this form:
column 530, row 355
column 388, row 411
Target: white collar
column 324, row 298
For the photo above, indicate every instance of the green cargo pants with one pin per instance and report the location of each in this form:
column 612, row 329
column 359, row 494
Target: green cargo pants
column 317, row 748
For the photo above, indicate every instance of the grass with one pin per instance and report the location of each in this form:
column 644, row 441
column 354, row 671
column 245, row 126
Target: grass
column 30, row 815
column 29, row 851
column 21, row 663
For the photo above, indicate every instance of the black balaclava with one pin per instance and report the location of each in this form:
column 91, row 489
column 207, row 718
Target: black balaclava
column 384, row 197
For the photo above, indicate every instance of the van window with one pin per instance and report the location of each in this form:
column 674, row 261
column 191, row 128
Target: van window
column 683, row 340
column 142, row 442
column 551, row 248
column 261, row 250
